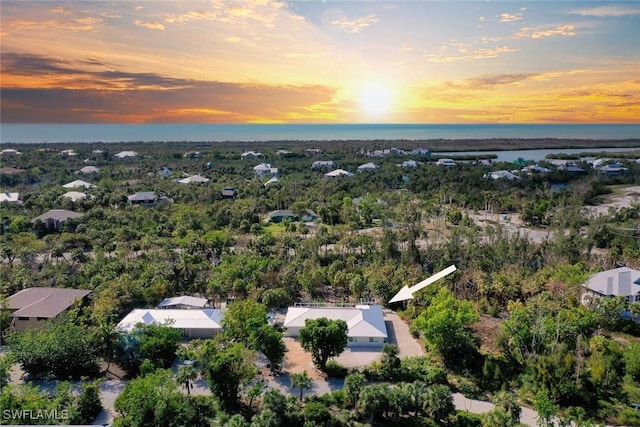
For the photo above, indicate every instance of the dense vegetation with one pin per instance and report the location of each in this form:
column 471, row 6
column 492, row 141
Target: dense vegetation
column 377, row 231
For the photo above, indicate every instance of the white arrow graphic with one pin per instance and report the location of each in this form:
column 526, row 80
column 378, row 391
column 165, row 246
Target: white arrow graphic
column 407, row 292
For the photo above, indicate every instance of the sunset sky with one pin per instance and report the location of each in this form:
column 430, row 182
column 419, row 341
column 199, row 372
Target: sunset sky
column 262, row 61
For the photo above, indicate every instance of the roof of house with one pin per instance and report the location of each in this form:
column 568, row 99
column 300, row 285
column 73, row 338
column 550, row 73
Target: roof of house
column 74, row 195
column 123, row 154
column 142, row 196
column 502, row 174
column 90, row 169
column 183, row 300
column 10, row 151
column 10, row 171
column 5, row 196
column 409, row 164
column 271, row 181
column 57, row 215
column 369, row 165
column 362, row 320
column 322, row 163
column 536, row 168
column 43, row 302
column 193, row 179
column 251, row 154
column 228, row 191
column 78, row 183
column 208, row 318
column 281, row 212
column 338, row 172
column 622, row 281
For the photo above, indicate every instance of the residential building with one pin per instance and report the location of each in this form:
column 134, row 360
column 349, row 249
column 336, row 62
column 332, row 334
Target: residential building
column 74, row 195
column 229, row 193
column 125, row 154
column 288, row 215
column 184, row 302
column 449, row 163
column 501, row 174
column 89, row 169
column 193, row 179
column 338, row 172
column 9, row 151
column 367, row 167
column 31, row 306
column 265, row 169
column 324, row 164
column 618, row 282
column 250, row 155
column 144, row 198
column 11, row 171
column 55, row 219
column 409, row 164
column 365, row 323
column 5, row 196
column 196, row 323
column 78, row 183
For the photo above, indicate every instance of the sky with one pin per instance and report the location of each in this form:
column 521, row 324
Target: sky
column 264, row 61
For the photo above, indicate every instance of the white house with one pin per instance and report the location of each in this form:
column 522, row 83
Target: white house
column 250, row 155
column 193, row 179
column 9, row 151
column 74, row 195
column 536, row 169
column 125, row 154
column 338, row 172
column 368, row 167
column 409, row 164
column 265, row 169
column 5, row 196
column 618, row 282
column 326, row 164
column 449, row 163
column 183, row 302
column 199, row 323
column 78, row 183
column 365, row 323
column 89, row 169
column 502, row 174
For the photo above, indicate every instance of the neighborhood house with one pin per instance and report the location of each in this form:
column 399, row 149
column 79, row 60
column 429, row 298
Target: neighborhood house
column 184, row 302
column 198, row 323
column 365, row 323
column 30, row 306
column 619, row 282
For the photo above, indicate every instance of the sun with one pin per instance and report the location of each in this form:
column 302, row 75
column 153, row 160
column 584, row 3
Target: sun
column 375, row 101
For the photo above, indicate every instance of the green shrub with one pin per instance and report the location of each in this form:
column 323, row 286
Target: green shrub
column 468, row 419
column 335, row 370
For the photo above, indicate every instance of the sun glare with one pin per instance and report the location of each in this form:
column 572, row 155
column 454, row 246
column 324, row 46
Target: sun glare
column 375, row 101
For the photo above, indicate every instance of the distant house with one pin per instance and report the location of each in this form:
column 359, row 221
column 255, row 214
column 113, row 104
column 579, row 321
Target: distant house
column 183, row 303
column 56, row 218
column 31, row 306
column 612, row 170
column 409, row 164
column 125, row 154
column 421, row 152
column 365, row 323
column 313, row 152
column 368, row 167
column 501, row 174
column 265, row 169
column 250, row 155
column 89, row 169
column 338, row 172
column 9, row 151
column 144, row 198
column 74, row 195
column 284, row 153
column 288, row 215
column 449, row 163
column 9, row 197
column 67, row 153
column 11, row 171
column 78, row 183
column 192, row 155
column 229, row 193
column 197, row 323
column 273, row 180
column 324, row 164
column 165, row 172
column 536, row 169
column 571, row 168
column 193, row 179
column 618, row 282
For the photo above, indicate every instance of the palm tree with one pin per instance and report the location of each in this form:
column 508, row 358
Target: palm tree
column 107, row 335
column 301, row 381
column 186, row 374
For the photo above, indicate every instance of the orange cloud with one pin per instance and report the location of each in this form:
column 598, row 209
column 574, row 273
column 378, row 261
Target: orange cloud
column 150, row 25
column 355, row 25
column 566, row 30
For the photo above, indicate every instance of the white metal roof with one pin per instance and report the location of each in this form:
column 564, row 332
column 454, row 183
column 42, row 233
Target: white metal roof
column 78, row 183
column 74, row 195
column 181, row 319
column 193, row 179
column 338, row 172
column 184, row 300
column 622, row 281
column 362, row 320
column 9, row 197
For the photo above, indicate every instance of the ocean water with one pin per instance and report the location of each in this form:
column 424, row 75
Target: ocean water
column 43, row 133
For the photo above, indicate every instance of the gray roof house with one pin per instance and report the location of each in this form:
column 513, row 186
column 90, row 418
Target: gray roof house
column 143, row 198
column 55, row 218
column 198, row 323
column 229, row 193
column 30, row 306
column 324, row 164
column 618, row 282
column 184, row 302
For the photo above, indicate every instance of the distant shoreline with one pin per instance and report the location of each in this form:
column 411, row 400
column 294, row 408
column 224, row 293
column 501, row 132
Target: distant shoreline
column 434, row 145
